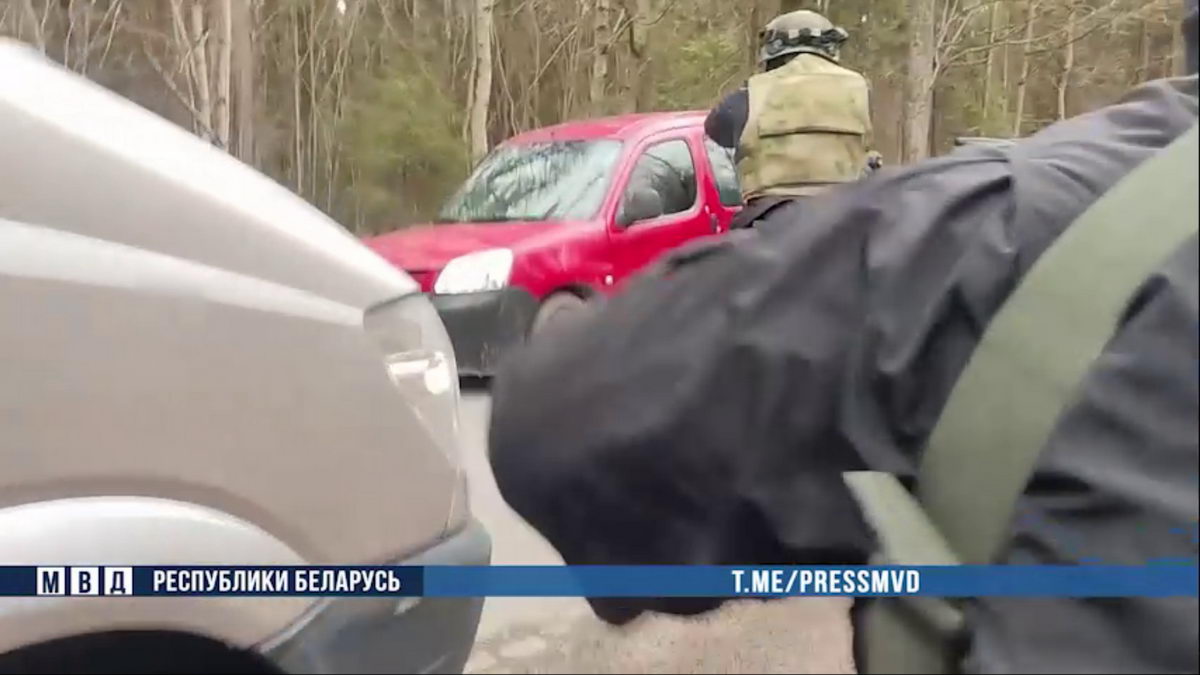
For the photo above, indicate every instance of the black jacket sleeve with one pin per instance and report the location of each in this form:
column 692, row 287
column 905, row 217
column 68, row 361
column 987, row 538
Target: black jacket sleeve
column 705, row 414
column 727, row 119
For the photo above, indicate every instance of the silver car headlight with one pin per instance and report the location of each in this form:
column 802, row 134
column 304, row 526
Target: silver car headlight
column 419, row 359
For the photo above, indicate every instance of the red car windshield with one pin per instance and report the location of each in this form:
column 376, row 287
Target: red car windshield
column 559, row 180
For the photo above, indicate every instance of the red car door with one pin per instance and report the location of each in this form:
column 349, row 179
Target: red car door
column 661, row 203
column 721, row 183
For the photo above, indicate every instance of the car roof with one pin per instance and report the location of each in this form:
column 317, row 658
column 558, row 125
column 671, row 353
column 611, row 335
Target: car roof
column 618, row 127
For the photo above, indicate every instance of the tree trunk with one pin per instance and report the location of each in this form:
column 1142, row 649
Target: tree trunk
column 466, row 120
column 761, row 12
column 1064, row 82
column 199, row 47
column 70, row 30
column 918, row 85
column 645, row 94
column 85, row 43
column 38, row 38
column 628, row 66
column 1022, row 84
column 752, row 27
column 484, row 10
column 1143, row 72
column 642, row 70
column 245, row 101
column 1005, row 67
column 297, row 121
column 224, row 44
column 989, row 70
column 601, row 38
column 533, row 95
column 1178, row 54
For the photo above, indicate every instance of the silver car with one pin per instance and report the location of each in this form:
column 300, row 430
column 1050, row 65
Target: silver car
column 200, row 368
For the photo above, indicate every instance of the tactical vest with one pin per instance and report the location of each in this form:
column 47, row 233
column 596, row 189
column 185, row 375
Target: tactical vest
column 807, row 128
column 983, row 450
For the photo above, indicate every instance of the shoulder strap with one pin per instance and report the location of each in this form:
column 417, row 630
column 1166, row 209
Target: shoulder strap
column 1020, row 379
column 1037, row 349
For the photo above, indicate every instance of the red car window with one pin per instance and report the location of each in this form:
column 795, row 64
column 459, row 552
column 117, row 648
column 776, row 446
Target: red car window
column 667, row 169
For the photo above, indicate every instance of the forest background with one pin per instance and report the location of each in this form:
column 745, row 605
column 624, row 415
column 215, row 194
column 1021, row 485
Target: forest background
column 375, row 110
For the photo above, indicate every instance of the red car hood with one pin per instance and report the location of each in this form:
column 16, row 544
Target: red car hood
column 426, row 248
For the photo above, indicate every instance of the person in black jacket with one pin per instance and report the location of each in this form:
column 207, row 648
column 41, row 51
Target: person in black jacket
column 706, row 415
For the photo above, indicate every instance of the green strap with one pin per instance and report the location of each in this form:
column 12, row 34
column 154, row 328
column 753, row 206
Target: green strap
column 1037, row 349
column 903, row 635
column 1021, row 377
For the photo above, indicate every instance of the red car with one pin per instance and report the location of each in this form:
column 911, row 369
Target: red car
column 558, row 216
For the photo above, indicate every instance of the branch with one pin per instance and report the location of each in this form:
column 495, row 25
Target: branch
column 131, row 26
column 949, row 10
column 1034, row 52
column 1004, row 39
column 963, row 21
column 954, row 58
column 623, row 26
column 517, row 10
column 39, row 37
column 45, row 18
column 504, row 87
column 265, row 23
column 66, row 48
column 1064, row 43
column 335, row 83
column 109, row 16
column 182, row 36
column 174, row 88
column 554, row 54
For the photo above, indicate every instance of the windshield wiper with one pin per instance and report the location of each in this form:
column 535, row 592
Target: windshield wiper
column 489, row 219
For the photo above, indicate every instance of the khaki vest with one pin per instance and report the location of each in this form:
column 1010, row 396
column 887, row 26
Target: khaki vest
column 808, row 127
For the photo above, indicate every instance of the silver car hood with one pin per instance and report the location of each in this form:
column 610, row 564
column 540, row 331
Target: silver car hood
column 77, row 158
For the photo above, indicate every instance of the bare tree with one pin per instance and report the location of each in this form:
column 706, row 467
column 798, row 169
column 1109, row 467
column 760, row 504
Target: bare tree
column 273, row 81
column 34, row 25
column 297, row 121
column 922, row 50
column 755, row 20
column 1064, row 80
column 1178, row 53
column 989, row 72
column 198, row 46
column 601, row 41
column 481, row 98
column 245, row 102
column 224, row 66
column 1023, row 81
column 1143, row 71
column 638, row 74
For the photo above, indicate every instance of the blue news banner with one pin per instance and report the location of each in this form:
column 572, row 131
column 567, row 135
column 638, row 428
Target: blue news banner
column 1154, row 580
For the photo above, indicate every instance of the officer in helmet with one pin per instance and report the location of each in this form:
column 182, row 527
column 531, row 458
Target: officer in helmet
column 800, row 126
